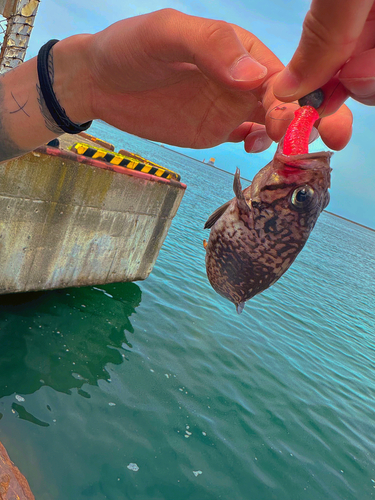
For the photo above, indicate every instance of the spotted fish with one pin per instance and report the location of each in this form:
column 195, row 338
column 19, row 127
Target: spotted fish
column 256, row 236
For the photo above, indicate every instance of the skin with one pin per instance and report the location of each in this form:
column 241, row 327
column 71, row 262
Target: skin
column 164, row 76
column 337, row 48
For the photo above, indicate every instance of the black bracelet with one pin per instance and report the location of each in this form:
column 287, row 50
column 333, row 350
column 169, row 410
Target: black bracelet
column 57, row 112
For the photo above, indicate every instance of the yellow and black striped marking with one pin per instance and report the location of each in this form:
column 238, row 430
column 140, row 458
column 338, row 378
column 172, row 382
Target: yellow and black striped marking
column 124, row 161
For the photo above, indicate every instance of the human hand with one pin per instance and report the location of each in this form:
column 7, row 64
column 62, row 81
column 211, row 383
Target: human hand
column 336, row 51
column 164, row 76
column 182, row 80
column 188, row 82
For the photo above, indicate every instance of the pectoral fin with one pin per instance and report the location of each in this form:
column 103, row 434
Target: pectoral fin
column 237, row 188
column 216, row 215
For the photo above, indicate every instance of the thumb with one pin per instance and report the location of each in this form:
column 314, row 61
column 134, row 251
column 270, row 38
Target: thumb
column 330, row 32
column 212, row 46
column 220, row 55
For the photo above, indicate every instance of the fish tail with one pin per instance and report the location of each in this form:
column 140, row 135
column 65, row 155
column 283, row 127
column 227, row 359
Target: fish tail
column 239, row 307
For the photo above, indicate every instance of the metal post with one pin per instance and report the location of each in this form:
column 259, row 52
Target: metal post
column 20, row 15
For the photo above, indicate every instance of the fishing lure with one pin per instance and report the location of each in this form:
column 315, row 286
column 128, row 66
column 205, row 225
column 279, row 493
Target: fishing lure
column 256, row 236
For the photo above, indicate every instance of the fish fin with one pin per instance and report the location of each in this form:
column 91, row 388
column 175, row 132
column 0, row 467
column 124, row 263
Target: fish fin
column 205, row 244
column 237, row 188
column 239, row 307
column 216, row 215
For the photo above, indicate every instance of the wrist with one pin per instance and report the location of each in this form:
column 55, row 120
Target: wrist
column 72, row 83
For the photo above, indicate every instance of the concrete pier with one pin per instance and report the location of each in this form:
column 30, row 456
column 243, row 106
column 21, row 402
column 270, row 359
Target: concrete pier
column 67, row 220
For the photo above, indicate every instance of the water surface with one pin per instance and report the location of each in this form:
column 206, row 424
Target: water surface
column 275, row 403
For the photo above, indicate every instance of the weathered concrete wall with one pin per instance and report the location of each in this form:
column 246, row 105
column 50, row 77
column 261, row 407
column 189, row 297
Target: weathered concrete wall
column 64, row 223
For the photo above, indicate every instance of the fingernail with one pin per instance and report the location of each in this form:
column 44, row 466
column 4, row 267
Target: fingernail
column 247, row 69
column 257, row 142
column 259, row 145
column 286, row 84
column 360, row 87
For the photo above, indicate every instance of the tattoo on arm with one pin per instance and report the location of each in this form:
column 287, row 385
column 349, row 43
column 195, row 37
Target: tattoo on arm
column 20, row 108
column 48, row 120
column 8, row 149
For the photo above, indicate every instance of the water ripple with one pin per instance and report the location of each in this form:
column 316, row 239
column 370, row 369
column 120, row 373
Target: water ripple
column 276, row 403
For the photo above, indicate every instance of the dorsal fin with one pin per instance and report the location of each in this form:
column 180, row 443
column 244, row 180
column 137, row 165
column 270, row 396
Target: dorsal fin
column 237, row 188
column 216, row 215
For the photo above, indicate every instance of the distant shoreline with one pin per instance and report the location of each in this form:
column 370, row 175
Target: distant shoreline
column 349, row 220
column 200, row 161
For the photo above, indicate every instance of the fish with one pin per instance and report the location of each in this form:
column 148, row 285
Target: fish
column 255, row 237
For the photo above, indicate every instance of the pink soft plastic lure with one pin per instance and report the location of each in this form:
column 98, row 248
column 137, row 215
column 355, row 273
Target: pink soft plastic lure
column 296, row 139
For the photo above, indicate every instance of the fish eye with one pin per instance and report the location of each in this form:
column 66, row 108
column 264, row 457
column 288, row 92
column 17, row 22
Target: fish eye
column 302, row 197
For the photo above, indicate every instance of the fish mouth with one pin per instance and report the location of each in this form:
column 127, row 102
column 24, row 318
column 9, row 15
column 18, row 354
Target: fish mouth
column 306, row 161
column 293, row 159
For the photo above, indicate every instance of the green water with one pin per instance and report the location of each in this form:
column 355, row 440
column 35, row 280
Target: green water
column 275, row 403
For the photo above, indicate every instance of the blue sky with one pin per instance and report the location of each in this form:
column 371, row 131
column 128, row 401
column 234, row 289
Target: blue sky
column 277, row 23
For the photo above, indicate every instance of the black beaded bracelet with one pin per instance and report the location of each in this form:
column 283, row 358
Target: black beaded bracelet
column 57, row 112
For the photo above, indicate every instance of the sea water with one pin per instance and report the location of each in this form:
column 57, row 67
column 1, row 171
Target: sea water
column 159, row 390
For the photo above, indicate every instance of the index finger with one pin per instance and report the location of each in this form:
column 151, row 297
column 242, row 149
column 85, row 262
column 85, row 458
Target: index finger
column 330, row 32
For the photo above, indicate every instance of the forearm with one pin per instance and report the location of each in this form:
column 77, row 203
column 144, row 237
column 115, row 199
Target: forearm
column 25, row 122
